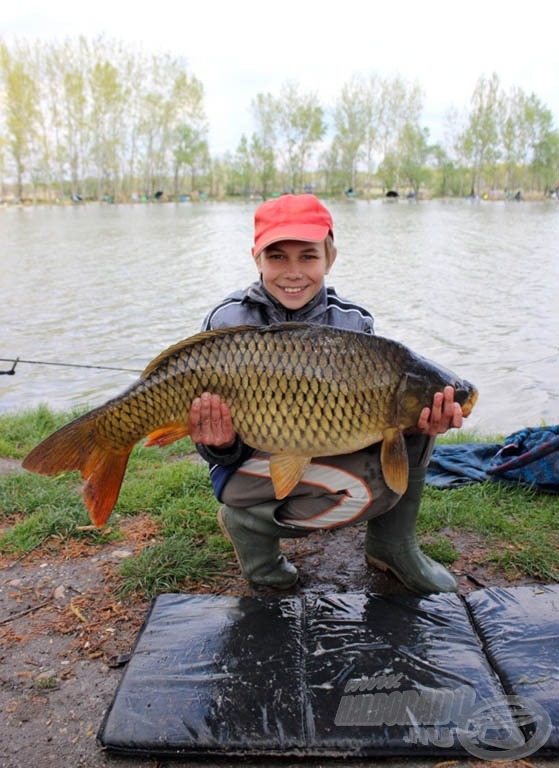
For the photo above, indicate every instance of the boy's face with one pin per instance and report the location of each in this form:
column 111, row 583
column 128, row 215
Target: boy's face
column 293, row 271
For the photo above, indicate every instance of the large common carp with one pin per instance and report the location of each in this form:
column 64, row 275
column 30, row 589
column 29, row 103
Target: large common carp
column 295, row 390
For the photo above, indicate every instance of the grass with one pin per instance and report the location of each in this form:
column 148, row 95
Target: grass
column 163, row 483
column 517, row 526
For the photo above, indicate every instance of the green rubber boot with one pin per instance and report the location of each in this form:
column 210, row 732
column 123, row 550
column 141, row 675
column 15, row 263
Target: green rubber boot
column 255, row 535
column 391, row 539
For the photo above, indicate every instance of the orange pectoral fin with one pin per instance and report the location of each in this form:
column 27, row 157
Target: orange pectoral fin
column 286, row 471
column 166, row 435
column 394, row 460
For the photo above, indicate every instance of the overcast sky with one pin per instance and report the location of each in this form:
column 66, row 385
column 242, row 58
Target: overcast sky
column 239, row 48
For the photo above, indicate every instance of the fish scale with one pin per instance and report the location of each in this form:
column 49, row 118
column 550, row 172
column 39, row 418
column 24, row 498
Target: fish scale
column 295, row 391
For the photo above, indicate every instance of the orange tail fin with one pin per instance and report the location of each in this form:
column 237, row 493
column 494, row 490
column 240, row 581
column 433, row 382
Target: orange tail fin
column 75, row 447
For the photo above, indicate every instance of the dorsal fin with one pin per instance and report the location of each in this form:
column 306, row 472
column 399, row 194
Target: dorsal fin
column 179, row 346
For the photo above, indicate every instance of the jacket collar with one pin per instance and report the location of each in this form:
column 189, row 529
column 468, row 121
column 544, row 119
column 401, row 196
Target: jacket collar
column 257, row 294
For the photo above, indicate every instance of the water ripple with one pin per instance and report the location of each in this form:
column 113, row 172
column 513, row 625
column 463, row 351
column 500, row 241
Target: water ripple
column 473, row 286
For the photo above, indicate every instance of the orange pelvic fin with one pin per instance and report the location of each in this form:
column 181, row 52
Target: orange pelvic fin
column 394, row 460
column 166, row 435
column 286, row 471
column 75, row 447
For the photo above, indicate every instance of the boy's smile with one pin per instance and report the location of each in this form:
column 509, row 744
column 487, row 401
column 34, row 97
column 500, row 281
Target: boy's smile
column 293, row 271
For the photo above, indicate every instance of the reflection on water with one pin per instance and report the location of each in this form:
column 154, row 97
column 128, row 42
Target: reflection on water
column 473, row 286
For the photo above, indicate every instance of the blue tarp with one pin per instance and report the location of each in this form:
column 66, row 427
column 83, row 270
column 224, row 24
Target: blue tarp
column 528, row 457
column 460, row 464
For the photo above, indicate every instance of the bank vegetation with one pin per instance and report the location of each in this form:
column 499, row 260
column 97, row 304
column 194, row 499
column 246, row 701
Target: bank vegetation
column 100, row 120
column 515, row 527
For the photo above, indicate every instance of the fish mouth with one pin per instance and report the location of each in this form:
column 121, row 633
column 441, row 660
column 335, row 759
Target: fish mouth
column 471, row 399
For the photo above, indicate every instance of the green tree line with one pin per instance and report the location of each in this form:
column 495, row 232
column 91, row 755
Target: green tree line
column 98, row 119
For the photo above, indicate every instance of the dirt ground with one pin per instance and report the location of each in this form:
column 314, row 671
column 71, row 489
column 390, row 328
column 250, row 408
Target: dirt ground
column 65, row 637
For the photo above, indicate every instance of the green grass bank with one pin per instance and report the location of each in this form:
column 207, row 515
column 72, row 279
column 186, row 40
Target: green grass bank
column 517, row 525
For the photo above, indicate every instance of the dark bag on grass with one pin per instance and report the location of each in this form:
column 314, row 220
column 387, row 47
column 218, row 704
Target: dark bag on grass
column 530, row 457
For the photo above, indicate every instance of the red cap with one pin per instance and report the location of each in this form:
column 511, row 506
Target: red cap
column 290, row 217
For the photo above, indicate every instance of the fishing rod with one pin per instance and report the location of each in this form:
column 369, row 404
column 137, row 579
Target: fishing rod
column 11, row 371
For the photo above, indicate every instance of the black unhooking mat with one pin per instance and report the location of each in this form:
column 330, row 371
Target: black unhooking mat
column 339, row 674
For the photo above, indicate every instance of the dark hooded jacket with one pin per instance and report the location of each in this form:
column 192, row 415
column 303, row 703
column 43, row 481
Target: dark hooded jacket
column 255, row 306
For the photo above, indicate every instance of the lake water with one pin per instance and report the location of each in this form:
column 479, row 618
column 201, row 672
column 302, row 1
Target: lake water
column 474, row 286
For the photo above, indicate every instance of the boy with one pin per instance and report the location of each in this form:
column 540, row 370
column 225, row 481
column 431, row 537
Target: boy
column 294, row 251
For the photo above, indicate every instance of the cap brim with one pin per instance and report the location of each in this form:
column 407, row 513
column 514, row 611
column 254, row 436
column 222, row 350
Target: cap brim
column 309, row 233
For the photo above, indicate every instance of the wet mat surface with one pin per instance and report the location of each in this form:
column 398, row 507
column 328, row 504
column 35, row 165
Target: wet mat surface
column 520, row 630
column 334, row 674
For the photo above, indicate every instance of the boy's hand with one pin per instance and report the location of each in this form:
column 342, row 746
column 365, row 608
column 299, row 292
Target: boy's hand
column 211, row 423
column 442, row 416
